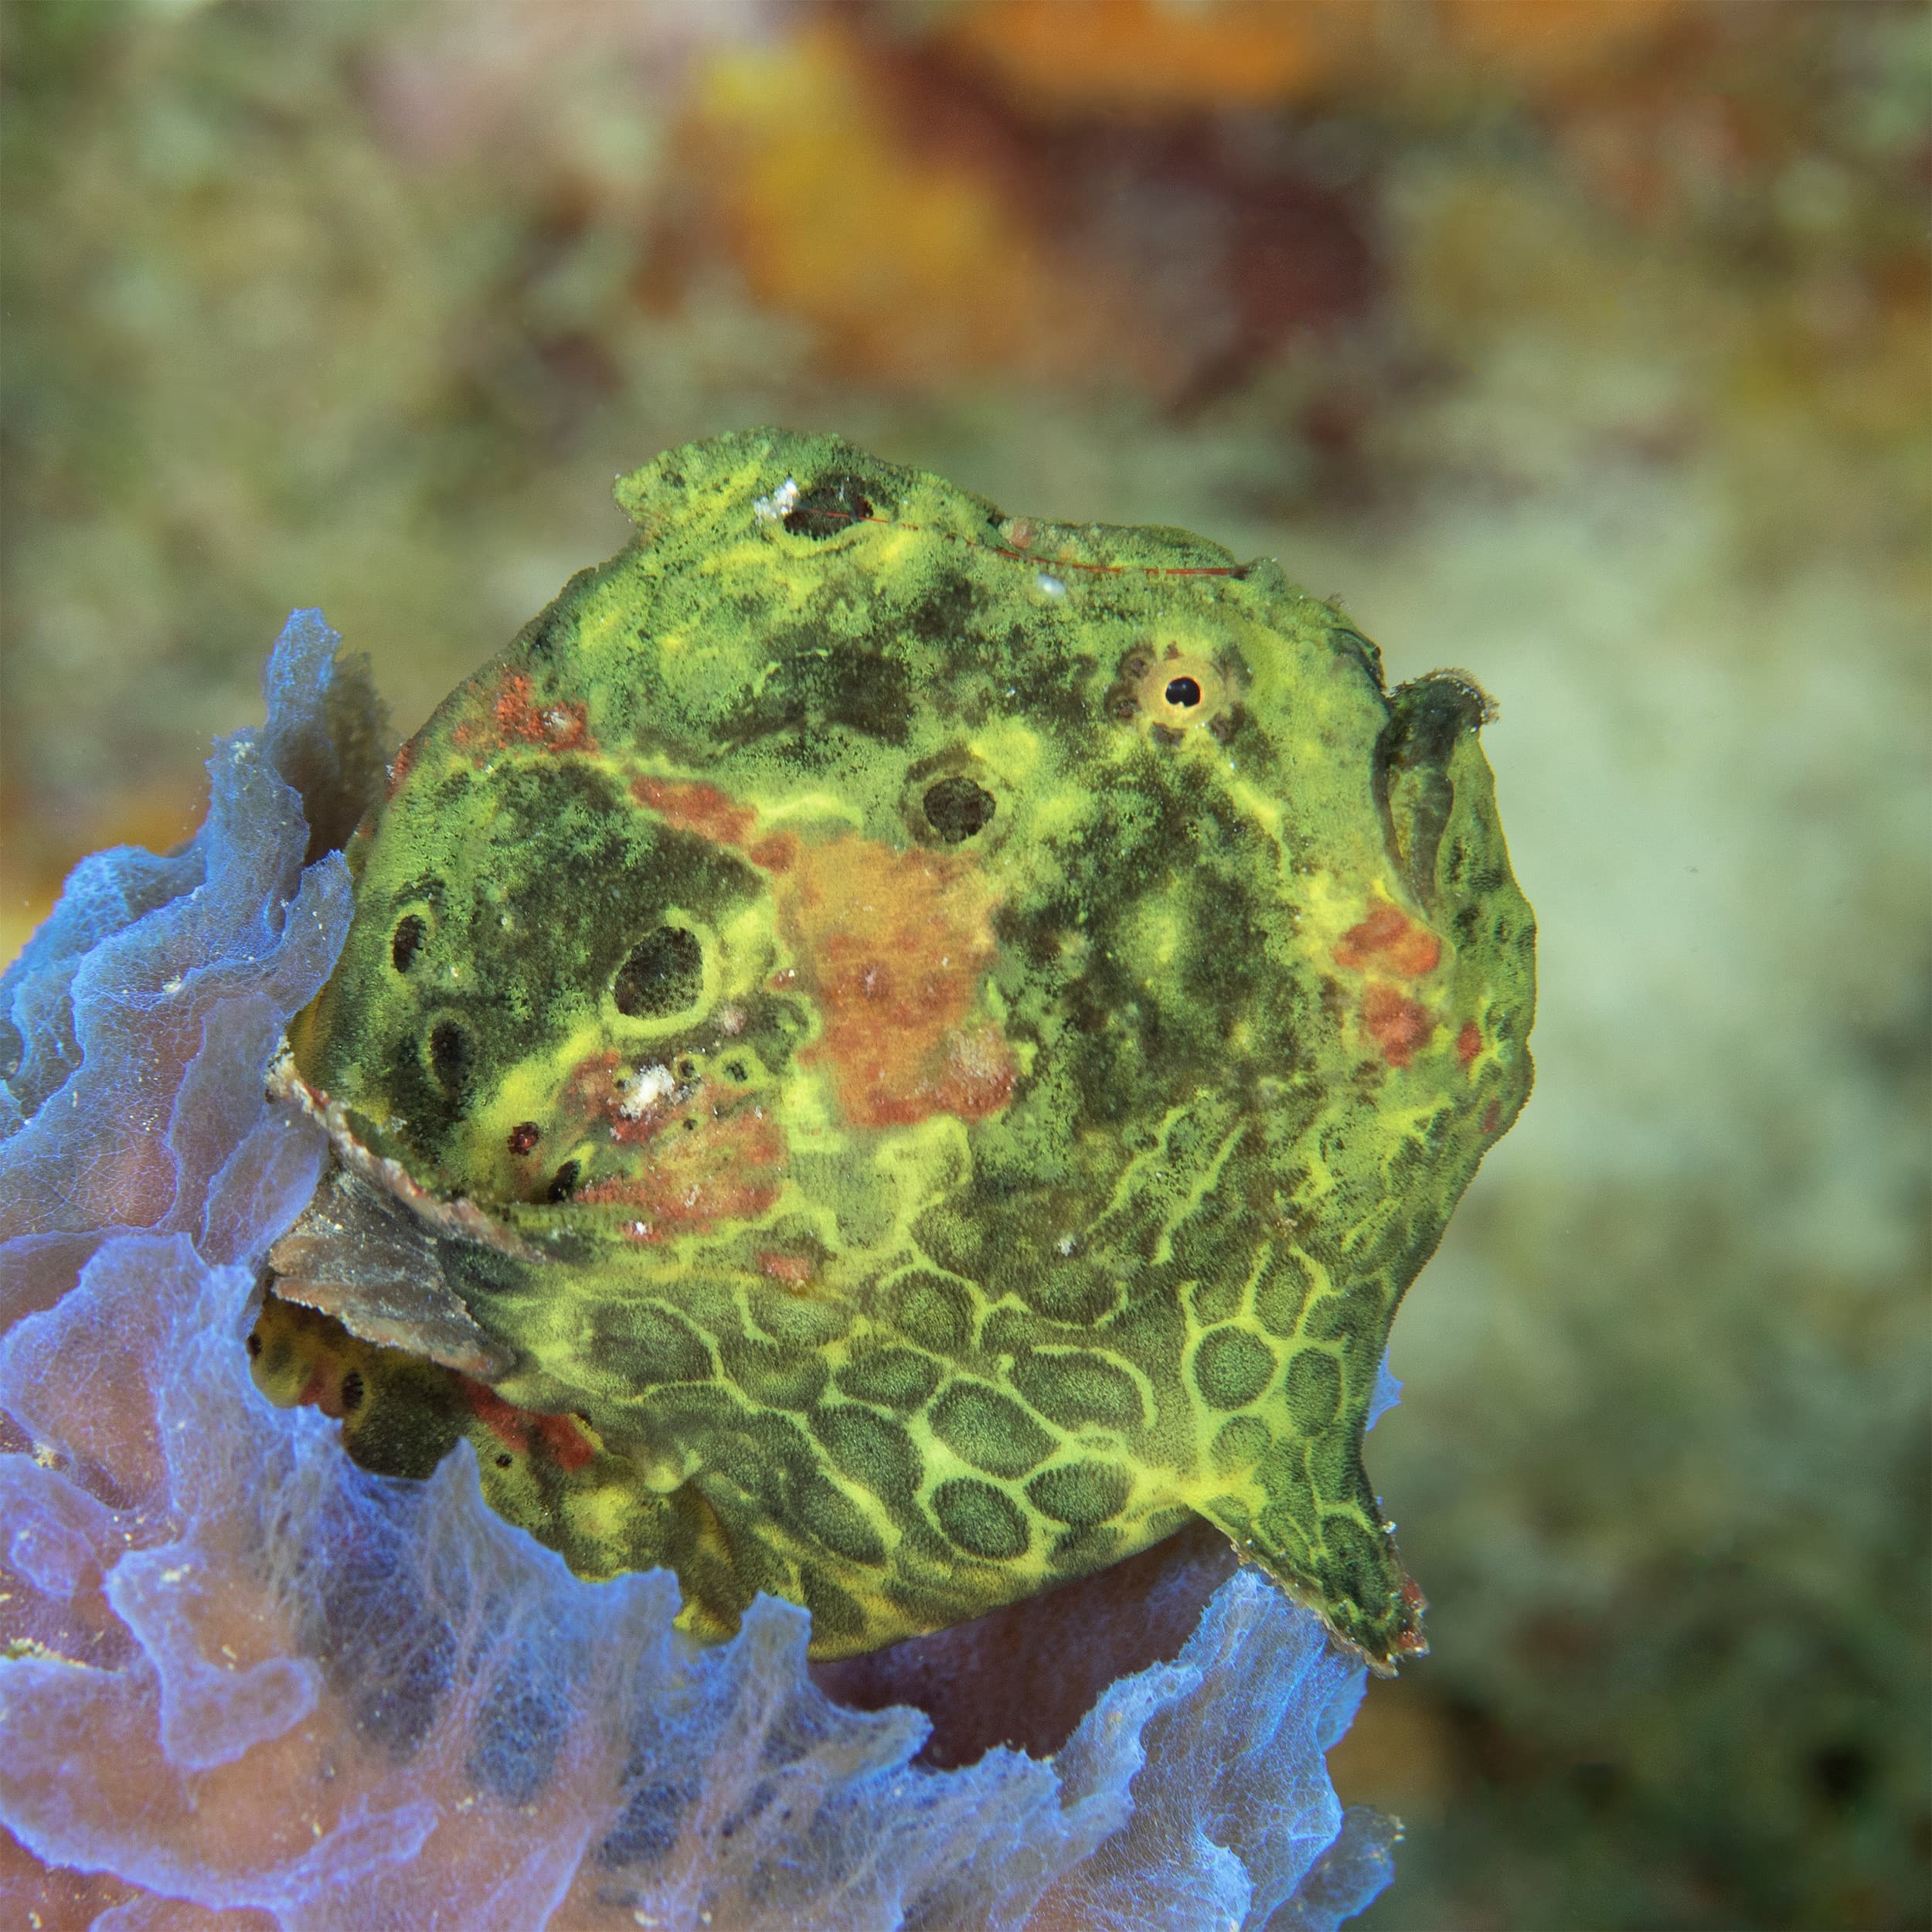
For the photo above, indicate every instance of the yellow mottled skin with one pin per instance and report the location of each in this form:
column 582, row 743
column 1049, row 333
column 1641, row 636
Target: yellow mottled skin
column 963, row 1029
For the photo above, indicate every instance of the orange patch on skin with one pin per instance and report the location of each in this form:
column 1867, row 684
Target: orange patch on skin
column 514, row 717
column 728, row 1164
column 703, row 809
column 891, row 945
column 1392, row 940
column 515, row 1428
column 1397, row 1024
column 1468, row 1043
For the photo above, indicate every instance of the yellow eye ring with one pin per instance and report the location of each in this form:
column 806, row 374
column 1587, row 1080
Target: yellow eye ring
column 1174, row 690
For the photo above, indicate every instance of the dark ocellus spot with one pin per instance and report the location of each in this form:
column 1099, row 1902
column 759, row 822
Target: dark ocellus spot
column 352, row 1391
column 563, row 1183
column 406, row 941
column 957, row 809
column 663, row 974
column 835, row 502
column 524, row 1136
column 449, row 1053
column 1184, row 692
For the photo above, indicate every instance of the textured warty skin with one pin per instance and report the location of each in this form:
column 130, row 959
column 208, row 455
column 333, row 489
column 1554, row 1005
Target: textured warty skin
column 890, row 1054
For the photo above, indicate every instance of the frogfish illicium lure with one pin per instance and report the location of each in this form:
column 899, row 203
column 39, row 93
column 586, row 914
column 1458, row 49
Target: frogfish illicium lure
column 892, row 1054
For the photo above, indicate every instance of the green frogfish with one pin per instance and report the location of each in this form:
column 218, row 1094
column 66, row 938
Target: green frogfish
column 893, row 1054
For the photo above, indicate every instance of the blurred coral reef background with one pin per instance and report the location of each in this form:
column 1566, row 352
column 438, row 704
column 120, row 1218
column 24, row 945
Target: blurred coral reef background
column 1581, row 344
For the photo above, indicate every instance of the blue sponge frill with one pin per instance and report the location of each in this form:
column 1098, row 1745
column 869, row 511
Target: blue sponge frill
column 244, row 1673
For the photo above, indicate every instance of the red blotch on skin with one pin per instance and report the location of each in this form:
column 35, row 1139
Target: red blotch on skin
column 1410, row 1640
column 1397, row 1024
column 516, row 1428
column 399, row 768
column 703, row 809
column 1390, row 940
column 891, row 945
column 516, row 717
column 1468, row 1043
column 1492, row 1117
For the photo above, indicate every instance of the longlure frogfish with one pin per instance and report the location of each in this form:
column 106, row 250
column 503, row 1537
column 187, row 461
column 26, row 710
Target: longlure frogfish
column 893, row 1054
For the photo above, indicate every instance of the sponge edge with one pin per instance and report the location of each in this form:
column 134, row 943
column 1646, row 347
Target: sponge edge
column 244, row 1674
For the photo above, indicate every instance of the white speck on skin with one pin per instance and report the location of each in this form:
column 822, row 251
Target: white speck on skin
column 173, row 985
column 648, row 1085
column 780, row 504
column 1049, row 586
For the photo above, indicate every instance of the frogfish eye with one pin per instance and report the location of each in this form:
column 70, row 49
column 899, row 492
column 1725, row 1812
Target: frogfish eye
column 956, row 808
column 663, row 974
column 1173, row 692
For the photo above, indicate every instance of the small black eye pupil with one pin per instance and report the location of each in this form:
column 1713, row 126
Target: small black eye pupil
column 957, row 809
column 563, row 1183
column 406, row 940
column 1183, row 691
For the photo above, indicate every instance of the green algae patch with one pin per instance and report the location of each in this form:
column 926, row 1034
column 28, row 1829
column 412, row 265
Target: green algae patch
column 886, row 1050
